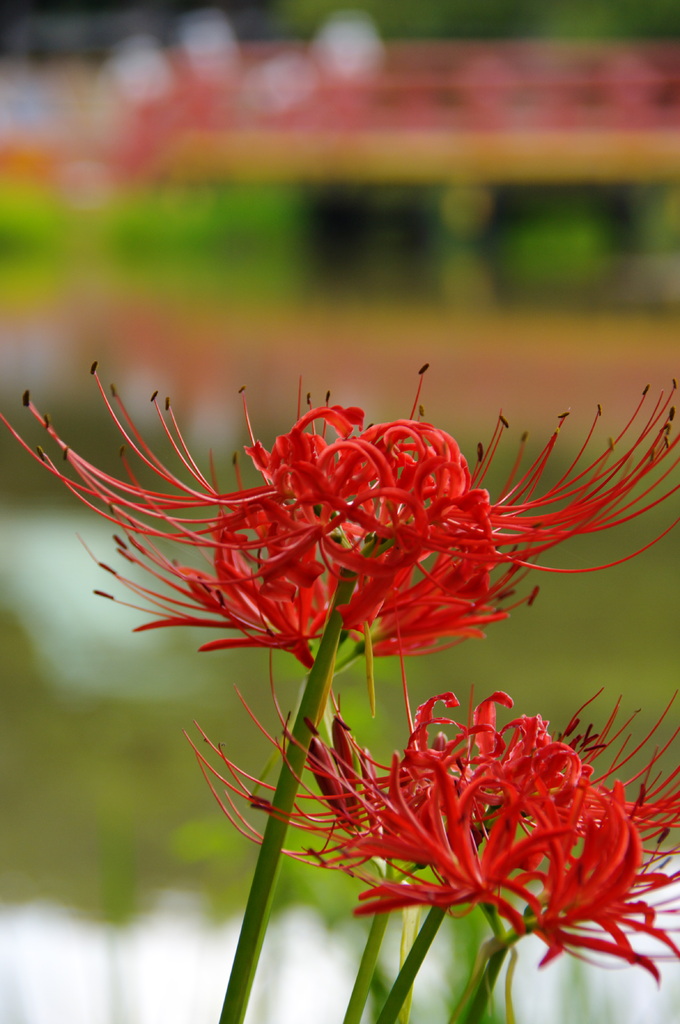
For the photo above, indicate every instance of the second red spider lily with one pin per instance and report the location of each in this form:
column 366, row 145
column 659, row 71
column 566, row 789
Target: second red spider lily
column 510, row 819
column 435, row 558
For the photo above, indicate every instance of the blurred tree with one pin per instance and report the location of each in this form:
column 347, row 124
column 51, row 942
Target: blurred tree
column 427, row 19
column 468, row 19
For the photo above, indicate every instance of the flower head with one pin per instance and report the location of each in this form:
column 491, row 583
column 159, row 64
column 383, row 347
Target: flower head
column 395, row 506
column 507, row 817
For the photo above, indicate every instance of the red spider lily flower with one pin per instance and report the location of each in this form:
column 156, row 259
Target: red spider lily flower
column 509, row 818
column 394, row 505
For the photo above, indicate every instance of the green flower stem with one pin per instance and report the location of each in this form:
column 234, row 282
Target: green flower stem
column 362, row 985
column 474, row 979
column 509, row 978
column 473, row 1002
column 261, row 894
column 475, row 1010
column 412, row 964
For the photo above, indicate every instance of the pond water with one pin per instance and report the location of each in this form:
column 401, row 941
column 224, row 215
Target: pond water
column 168, row 967
column 109, row 813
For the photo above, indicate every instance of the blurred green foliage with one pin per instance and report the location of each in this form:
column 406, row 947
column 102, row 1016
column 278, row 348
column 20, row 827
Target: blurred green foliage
column 463, row 245
column 33, row 222
column 203, row 221
column 239, row 237
column 556, row 246
column 489, row 19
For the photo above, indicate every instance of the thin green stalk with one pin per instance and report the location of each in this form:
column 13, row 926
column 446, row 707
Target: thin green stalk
column 369, row 959
column 488, row 962
column 404, row 981
column 475, row 1010
column 474, row 979
column 261, row 894
column 409, row 930
column 509, row 978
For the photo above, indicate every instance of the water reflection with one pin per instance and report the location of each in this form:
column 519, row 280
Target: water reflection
column 201, row 350
column 47, row 583
column 169, row 967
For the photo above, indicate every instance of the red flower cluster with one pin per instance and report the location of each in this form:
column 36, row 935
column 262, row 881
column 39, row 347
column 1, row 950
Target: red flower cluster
column 394, row 505
column 505, row 817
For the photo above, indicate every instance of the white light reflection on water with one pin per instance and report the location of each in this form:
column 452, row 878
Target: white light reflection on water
column 84, row 643
column 170, row 966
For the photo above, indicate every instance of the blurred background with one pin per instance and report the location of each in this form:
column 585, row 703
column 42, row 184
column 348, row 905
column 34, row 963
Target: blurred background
column 252, row 194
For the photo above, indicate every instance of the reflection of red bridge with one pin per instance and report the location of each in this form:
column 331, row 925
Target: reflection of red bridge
column 423, row 113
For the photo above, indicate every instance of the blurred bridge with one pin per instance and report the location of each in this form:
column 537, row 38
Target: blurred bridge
column 410, row 113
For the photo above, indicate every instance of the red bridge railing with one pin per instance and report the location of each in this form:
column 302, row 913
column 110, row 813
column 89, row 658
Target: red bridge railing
column 432, row 96
column 415, row 112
